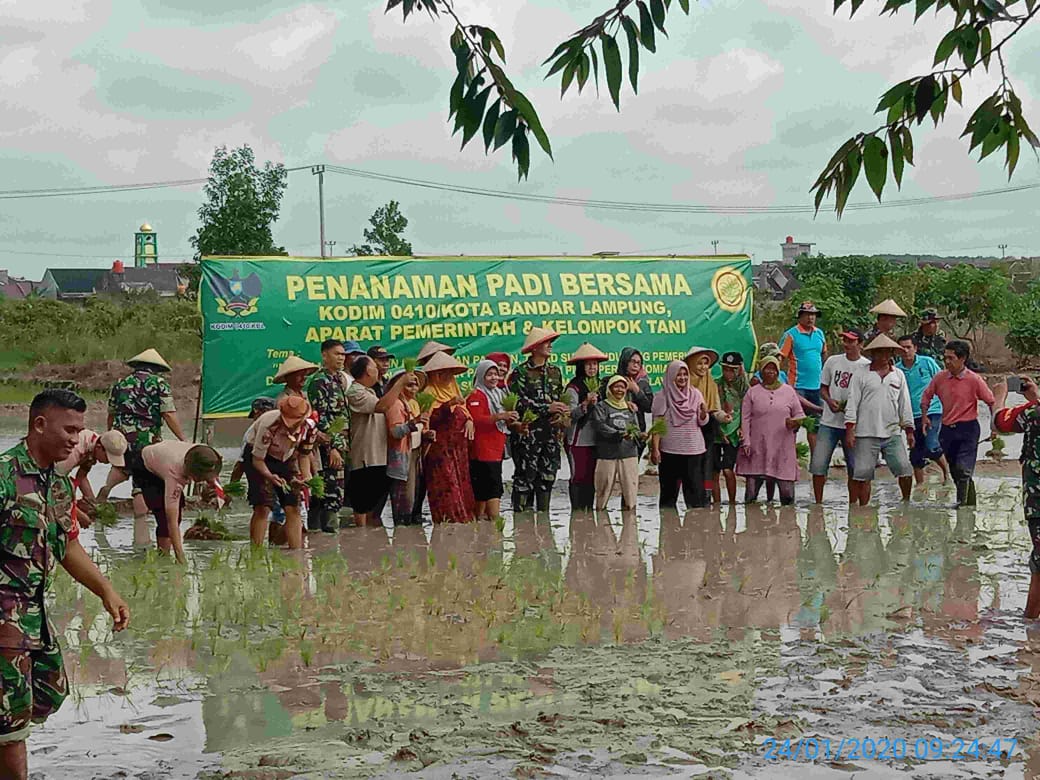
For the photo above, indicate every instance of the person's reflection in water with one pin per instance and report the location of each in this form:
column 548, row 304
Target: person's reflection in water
column 817, row 577
column 686, row 573
column 960, row 603
column 862, row 563
column 533, row 538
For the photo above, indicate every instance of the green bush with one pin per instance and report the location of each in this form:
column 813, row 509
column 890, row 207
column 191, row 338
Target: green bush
column 44, row 331
column 1023, row 324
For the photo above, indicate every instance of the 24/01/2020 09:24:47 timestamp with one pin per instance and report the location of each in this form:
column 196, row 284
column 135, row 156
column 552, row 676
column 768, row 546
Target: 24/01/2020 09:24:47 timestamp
column 887, row 749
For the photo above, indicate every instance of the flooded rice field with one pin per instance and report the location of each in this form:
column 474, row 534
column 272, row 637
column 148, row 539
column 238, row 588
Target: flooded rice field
column 881, row 643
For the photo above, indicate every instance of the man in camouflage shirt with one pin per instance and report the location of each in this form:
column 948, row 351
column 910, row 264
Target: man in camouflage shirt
column 930, row 341
column 1025, row 419
column 36, row 534
column 327, row 392
column 536, row 446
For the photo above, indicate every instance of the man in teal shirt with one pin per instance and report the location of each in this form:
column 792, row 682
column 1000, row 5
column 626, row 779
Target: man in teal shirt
column 919, row 370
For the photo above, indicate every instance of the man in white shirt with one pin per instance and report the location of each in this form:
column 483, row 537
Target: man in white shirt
column 834, row 392
column 878, row 408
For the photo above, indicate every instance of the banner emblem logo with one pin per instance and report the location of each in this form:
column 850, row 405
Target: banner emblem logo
column 236, row 297
column 730, row 289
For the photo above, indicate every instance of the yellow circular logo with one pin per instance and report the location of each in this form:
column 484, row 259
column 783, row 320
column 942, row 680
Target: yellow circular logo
column 730, row 289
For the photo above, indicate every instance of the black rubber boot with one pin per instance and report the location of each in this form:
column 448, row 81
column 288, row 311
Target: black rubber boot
column 574, row 491
column 521, row 501
column 314, row 517
column 588, row 496
column 542, row 496
column 330, row 521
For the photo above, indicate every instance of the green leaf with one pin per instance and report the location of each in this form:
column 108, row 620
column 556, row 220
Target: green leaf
column 947, row 46
column 969, row 45
column 921, row 7
column 573, row 42
column 986, row 45
column 455, row 96
column 633, row 52
column 995, row 138
column 646, row 27
column 685, row 6
column 504, row 128
column 612, row 65
column 490, row 120
column 521, row 152
column 908, row 145
column 875, row 163
column 895, row 142
column 488, row 37
column 530, row 117
column 475, row 114
column 894, row 96
column 657, row 12
column 956, row 91
column 595, row 67
column 1012, row 152
column 583, row 71
column 568, row 77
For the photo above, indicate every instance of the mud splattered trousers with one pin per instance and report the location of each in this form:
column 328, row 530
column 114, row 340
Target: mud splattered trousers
column 537, row 460
column 1031, row 506
column 960, row 444
column 32, row 687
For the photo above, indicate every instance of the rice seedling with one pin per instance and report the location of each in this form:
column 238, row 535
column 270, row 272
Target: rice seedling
column 425, row 401
column 105, row 515
column 632, row 432
column 338, row 425
column 317, row 486
column 236, row 489
column 410, row 364
column 528, row 417
column 811, row 424
column 801, row 450
column 592, row 384
column 510, row 401
column 658, row 428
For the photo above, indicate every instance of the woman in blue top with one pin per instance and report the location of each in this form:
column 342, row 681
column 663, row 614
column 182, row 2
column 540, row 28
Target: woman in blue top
column 919, row 370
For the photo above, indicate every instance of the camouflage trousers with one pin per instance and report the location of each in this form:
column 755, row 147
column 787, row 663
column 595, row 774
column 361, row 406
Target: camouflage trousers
column 1031, row 505
column 537, row 461
column 335, row 484
column 32, row 687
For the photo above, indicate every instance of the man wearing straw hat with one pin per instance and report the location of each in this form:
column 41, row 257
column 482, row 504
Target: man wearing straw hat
column 138, row 405
column 888, row 315
column 878, row 409
column 536, row 449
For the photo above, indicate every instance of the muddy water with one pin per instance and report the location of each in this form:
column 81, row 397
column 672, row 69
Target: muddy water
column 627, row 643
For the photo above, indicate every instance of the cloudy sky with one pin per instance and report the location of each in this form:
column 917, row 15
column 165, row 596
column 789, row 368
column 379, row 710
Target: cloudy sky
column 742, row 105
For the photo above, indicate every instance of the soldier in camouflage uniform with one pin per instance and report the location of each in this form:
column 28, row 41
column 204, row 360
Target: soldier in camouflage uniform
column 137, row 407
column 1025, row 419
column 930, row 341
column 327, row 392
column 35, row 534
column 536, row 447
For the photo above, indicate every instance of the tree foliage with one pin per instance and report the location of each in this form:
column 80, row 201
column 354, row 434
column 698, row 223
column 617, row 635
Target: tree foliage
column 970, row 298
column 1023, row 323
column 242, row 203
column 484, row 98
column 386, row 234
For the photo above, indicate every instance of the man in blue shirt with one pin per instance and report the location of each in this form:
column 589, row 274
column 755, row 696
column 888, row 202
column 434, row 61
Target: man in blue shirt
column 919, row 370
column 805, row 347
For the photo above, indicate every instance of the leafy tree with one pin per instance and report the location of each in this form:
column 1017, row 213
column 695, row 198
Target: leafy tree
column 242, row 202
column 858, row 277
column 970, row 298
column 1023, row 324
column 385, row 236
column 483, row 98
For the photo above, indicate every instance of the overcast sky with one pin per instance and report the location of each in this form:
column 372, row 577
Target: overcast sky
column 742, row 104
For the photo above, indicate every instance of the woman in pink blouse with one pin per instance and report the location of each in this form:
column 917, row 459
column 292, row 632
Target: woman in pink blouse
column 681, row 450
column 771, row 416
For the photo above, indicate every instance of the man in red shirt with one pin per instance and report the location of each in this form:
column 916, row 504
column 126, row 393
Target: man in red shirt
column 960, row 389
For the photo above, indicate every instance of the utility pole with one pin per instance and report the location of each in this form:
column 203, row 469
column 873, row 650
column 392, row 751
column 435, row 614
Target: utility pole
column 1003, row 249
column 319, row 171
column 715, row 246
column 330, row 244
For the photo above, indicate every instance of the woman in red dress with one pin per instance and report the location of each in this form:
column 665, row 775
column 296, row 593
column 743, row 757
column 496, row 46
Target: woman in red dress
column 446, row 461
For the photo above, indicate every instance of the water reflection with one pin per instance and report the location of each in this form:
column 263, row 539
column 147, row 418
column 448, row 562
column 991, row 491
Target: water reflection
column 365, row 629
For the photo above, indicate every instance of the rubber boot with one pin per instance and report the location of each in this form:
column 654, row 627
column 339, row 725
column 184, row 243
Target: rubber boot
column 330, row 521
column 576, row 498
column 588, row 496
column 542, row 496
column 521, row 501
column 314, row 517
column 970, row 498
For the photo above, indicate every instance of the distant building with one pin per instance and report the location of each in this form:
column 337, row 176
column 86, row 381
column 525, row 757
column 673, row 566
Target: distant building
column 165, row 279
column 14, row 287
column 146, row 246
column 71, row 284
column 791, row 250
column 774, row 280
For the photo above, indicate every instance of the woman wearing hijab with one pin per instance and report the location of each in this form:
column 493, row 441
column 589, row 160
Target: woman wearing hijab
column 580, row 439
column 770, row 418
column 630, row 366
column 446, row 462
column 504, row 364
column 699, row 361
column 617, row 454
column 405, row 429
column 488, row 447
column 681, row 450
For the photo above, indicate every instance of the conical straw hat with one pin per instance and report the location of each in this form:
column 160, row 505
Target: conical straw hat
column 291, row 365
column 431, row 348
column 711, row 353
column 420, row 374
column 586, row 352
column 538, row 336
column 881, row 341
column 442, row 361
column 150, row 357
column 888, row 306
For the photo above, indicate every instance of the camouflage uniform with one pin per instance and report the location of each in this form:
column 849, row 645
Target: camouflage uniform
column 328, row 395
column 137, row 404
column 536, row 455
column 35, row 520
column 933, row 346
column 1029, row 421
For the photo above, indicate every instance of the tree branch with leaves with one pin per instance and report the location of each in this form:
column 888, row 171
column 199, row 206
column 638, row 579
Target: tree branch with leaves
column 483, row 97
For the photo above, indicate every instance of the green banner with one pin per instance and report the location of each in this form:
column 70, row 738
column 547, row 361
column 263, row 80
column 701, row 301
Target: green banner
column 257, row 311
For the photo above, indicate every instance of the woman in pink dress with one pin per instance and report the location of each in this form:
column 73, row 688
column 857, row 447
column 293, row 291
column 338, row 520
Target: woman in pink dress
column 770, row 418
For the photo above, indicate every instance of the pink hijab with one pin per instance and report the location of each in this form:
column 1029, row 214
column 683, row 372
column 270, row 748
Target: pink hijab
column 679, row 405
